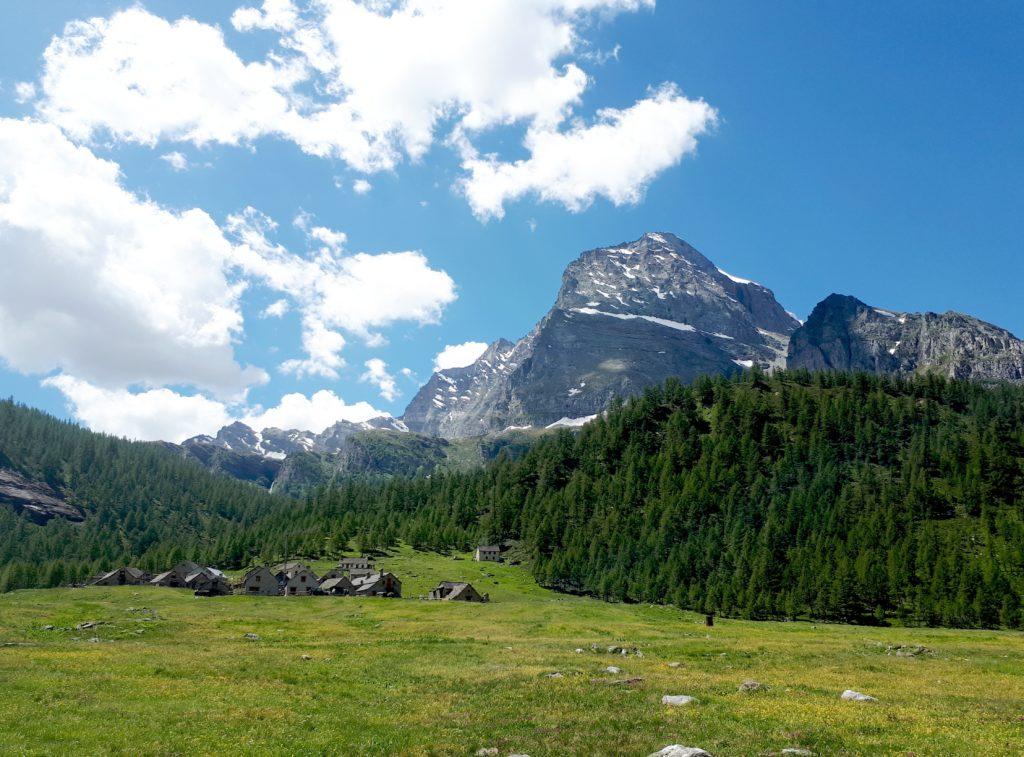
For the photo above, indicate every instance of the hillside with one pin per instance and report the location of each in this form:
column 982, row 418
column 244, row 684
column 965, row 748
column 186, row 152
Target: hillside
column 109, row 501
column 172, row 674
column 845, row 497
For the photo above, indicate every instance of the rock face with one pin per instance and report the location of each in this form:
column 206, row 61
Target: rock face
column 276, row 443
column 845, row 334
column 626, row 317
column 34, row 498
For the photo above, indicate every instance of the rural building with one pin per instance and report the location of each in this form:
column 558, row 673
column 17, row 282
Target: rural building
column 298, row 580
column 457, row 591
column 377, row 585
column 208, row 582
column 338, row 586
column 355, row 563
column 177, row 576
column 260, row 581
column 284, row 567
column 122, row 577
column 490, row 553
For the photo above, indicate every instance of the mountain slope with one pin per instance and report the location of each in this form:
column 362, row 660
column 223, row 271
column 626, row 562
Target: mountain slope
column 626, row 317
column 844, row 334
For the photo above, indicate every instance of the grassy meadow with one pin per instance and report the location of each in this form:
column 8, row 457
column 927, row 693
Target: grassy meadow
column 168, row 673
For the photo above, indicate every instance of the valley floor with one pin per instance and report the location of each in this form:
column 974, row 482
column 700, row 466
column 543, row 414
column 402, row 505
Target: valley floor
column 168, row 673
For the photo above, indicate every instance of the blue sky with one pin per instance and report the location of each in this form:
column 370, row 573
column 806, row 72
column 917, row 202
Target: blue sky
column 866, row 148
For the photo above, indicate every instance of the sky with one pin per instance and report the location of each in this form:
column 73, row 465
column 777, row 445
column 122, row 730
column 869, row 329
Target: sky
column 290, row 213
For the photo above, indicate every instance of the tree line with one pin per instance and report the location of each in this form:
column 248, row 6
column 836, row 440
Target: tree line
column 847, row 497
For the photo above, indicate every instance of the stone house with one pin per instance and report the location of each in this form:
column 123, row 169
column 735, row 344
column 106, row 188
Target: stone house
column 377, row 585
column 260, row 581
column 457, row 591
column 297, row 580
column 177, row 576
column 489, row 553
column 126, row 576
column 355, row 563
column 339, row 586
column 208, row 582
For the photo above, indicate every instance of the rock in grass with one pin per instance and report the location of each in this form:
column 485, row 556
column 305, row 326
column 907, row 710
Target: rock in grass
column 799, row 752
column 678, row 750
column 677, row 700
column 855, row 696
column 487, row 751
column 307, row 657
column 674, row 664
column 47, row 628
column 750, row 685
column 555, row 675
column 252, row 637
column 613, row 670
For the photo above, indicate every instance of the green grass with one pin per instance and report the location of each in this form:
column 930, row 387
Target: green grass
column 173, row 674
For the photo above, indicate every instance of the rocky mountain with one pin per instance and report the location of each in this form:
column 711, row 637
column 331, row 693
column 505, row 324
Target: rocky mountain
column 845, row 334
column 276, row 444
column 626, row 317
column 38, row 500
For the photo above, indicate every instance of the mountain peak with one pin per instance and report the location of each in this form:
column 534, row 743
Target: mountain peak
column 626, row 316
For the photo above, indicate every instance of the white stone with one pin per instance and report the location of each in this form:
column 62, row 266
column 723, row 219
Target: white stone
column 678, row 750
column 677, row 699
column 613, row 669
column 855, row 696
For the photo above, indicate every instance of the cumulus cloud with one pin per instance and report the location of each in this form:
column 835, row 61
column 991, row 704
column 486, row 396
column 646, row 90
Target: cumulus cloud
column 104, row 285
column 166, row 415
column 315, row 413
column 361, row 186
column 458, row 355
column 377, row 374
column 276, row 309
column 348, row 80
column 336, row 291
column 616, row 157
column 149, row 415
column 176, row 160
column 24, row 91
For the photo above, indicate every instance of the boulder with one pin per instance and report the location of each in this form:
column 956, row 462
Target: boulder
column 252, row 637
column 555, row 675
column 750, row 685
column 674, row 664
column 487, row 751
column 677, row 700
column 613, row 670
column 798, row 752
column 678, row 750
column 855, row 696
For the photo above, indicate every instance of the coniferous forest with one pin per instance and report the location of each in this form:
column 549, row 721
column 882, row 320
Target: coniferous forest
column 846, row 497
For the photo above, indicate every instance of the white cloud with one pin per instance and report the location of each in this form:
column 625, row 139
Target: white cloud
column 361, row 186
column 616, row 157
column 336, row 291
column 458, row 355
column 104, row 285
column 377, row 374
column 24, row 91
column 316, row 413
column 276, row 309
column 149, row 415
column 142, row 79
column 374, row 83
column 163, row 414
column 176, row 160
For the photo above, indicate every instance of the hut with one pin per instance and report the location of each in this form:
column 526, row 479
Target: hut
column 260, row 581
column 487, row 553
column 208, row 582
column 177, row 576
column 377, row 585
column 297, row 580
column 126, row 576
column 357, row 563
column 457, row 591
column 338, row 586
